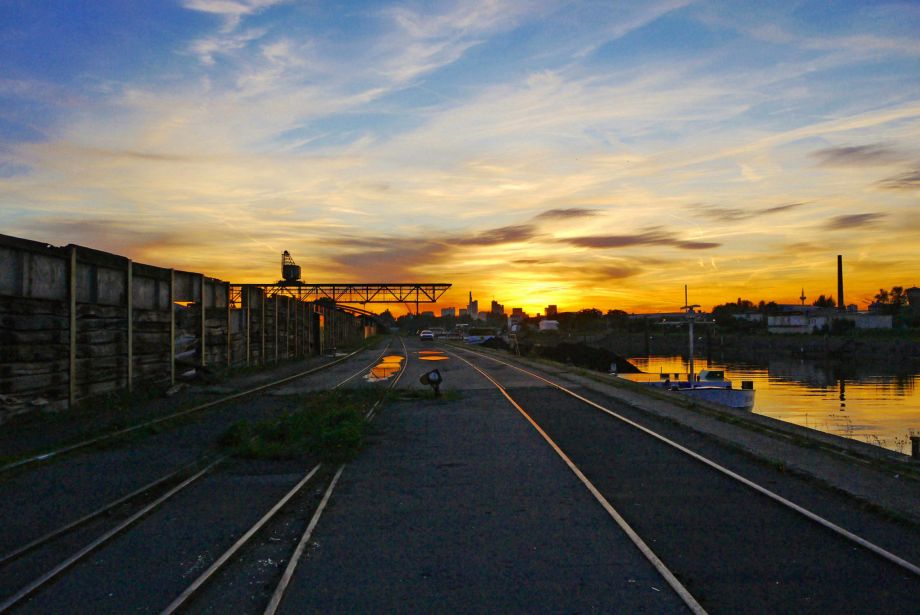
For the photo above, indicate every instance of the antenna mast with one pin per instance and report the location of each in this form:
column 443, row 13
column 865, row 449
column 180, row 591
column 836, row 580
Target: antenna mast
column 690, row 316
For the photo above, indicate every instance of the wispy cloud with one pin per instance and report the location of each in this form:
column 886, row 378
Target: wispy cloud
column 422, row 42
column 232, row 11
column 564, row 214
column 736, row 214
column 858, row 155
column 209, row 48
column 523, row 147
column 648, row 237
column 854, row 221
column 908, row 181
column 508, row 234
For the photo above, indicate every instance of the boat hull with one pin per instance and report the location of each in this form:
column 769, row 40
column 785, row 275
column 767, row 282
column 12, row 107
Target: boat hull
column 742, row 399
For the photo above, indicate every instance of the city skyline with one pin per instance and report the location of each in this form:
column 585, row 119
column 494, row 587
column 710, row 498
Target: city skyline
column 580, row 154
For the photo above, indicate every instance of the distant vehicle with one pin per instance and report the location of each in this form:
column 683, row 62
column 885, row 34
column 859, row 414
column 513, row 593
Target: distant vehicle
column 426, row 336
column 478, row 335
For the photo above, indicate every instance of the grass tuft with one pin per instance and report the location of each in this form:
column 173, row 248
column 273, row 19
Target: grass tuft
column 329, row 425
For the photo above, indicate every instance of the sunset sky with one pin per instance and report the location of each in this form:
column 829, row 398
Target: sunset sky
column 576, row 153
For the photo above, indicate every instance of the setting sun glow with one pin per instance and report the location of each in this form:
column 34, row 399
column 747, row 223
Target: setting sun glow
column 577, row 154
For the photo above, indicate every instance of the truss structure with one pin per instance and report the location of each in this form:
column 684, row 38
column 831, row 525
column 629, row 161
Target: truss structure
column 363, row 294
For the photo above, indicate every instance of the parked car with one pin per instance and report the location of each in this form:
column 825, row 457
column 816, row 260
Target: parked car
column 426, row 336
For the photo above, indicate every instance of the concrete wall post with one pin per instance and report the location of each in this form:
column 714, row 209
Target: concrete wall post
column 287, row 329
column 296, row 329
column 229, row 329
column 204, row 328
column 172, row 327
column 247, row 303
column 72, row 342
column 129, row 308
column 262, row 327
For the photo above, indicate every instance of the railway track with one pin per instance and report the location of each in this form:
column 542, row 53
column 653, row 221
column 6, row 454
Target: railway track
column 194, row 597
column 85, row 535
column 85, row 443
column 722, row 541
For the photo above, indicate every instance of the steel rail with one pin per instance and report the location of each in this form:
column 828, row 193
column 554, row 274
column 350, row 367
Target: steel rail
column 208, row 574
column 830, row 525
column 359, row 372
column 45, row 538
column 20, row 551
column 107, row 436
column 634, row 537
column 219, row 563
column 288, row 574
column 42, row 580
column 282, row 586
column 73, row 559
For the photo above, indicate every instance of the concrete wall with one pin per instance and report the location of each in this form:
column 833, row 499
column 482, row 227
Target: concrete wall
column 76, row 322
column 809, row 323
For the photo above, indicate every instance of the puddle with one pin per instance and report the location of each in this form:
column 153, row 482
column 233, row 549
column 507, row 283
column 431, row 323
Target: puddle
column 432, row 355
column 388, row 367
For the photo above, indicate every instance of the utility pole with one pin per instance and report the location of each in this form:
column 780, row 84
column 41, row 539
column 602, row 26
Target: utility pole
column 690, row 316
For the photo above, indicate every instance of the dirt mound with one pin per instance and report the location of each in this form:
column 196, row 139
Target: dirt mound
column 496, row 343
column 581, row 355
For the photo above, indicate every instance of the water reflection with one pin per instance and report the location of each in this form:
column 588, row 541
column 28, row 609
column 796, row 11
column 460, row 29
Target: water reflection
column 870, row 403
column 388, row 367
column 432, row 355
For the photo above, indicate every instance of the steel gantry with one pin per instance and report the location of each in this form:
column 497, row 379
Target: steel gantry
column 403, row 292
column 292, row 286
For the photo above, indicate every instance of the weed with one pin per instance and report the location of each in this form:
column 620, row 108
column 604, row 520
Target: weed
column 329, row 425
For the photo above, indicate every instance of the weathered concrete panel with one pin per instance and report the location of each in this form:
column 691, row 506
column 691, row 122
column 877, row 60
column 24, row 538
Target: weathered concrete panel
column 110, row 286
column 187, row 286
column 11, row 271
column 162, row 295
column 86, row 283
column 35, row 324
column 47, row 277
column 144, row 293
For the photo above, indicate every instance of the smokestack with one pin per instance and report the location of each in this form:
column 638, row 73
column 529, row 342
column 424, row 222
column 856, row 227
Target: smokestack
column 840, row 304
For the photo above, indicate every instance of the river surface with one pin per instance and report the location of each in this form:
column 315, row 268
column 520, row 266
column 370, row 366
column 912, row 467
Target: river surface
column 874, row 405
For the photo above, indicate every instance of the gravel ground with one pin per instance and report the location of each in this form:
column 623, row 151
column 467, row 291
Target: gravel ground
column 459, row 506
column 37, row 500
column 866, row 473
column 144, row 569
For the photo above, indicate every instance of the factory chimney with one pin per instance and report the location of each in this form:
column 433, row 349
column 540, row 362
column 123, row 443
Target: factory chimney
column 840, row 303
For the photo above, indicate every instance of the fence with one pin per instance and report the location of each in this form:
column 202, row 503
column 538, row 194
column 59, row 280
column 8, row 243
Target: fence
column 77, row 322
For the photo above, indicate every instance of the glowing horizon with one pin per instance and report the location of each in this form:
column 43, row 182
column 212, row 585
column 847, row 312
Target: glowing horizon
column 582, row 155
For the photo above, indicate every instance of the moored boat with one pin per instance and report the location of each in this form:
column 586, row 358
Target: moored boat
column 709, row 385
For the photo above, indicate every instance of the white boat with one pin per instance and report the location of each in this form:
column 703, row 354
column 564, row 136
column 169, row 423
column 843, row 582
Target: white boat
column 709, row 385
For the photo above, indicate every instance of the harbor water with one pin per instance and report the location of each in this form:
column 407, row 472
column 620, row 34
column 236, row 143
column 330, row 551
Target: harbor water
column 871, row 404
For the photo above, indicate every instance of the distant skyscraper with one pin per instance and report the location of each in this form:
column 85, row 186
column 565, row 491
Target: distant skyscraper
column 517, row 312
column 463, row 312
column 448, row 312
column 497, row 308
column 551, row 310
